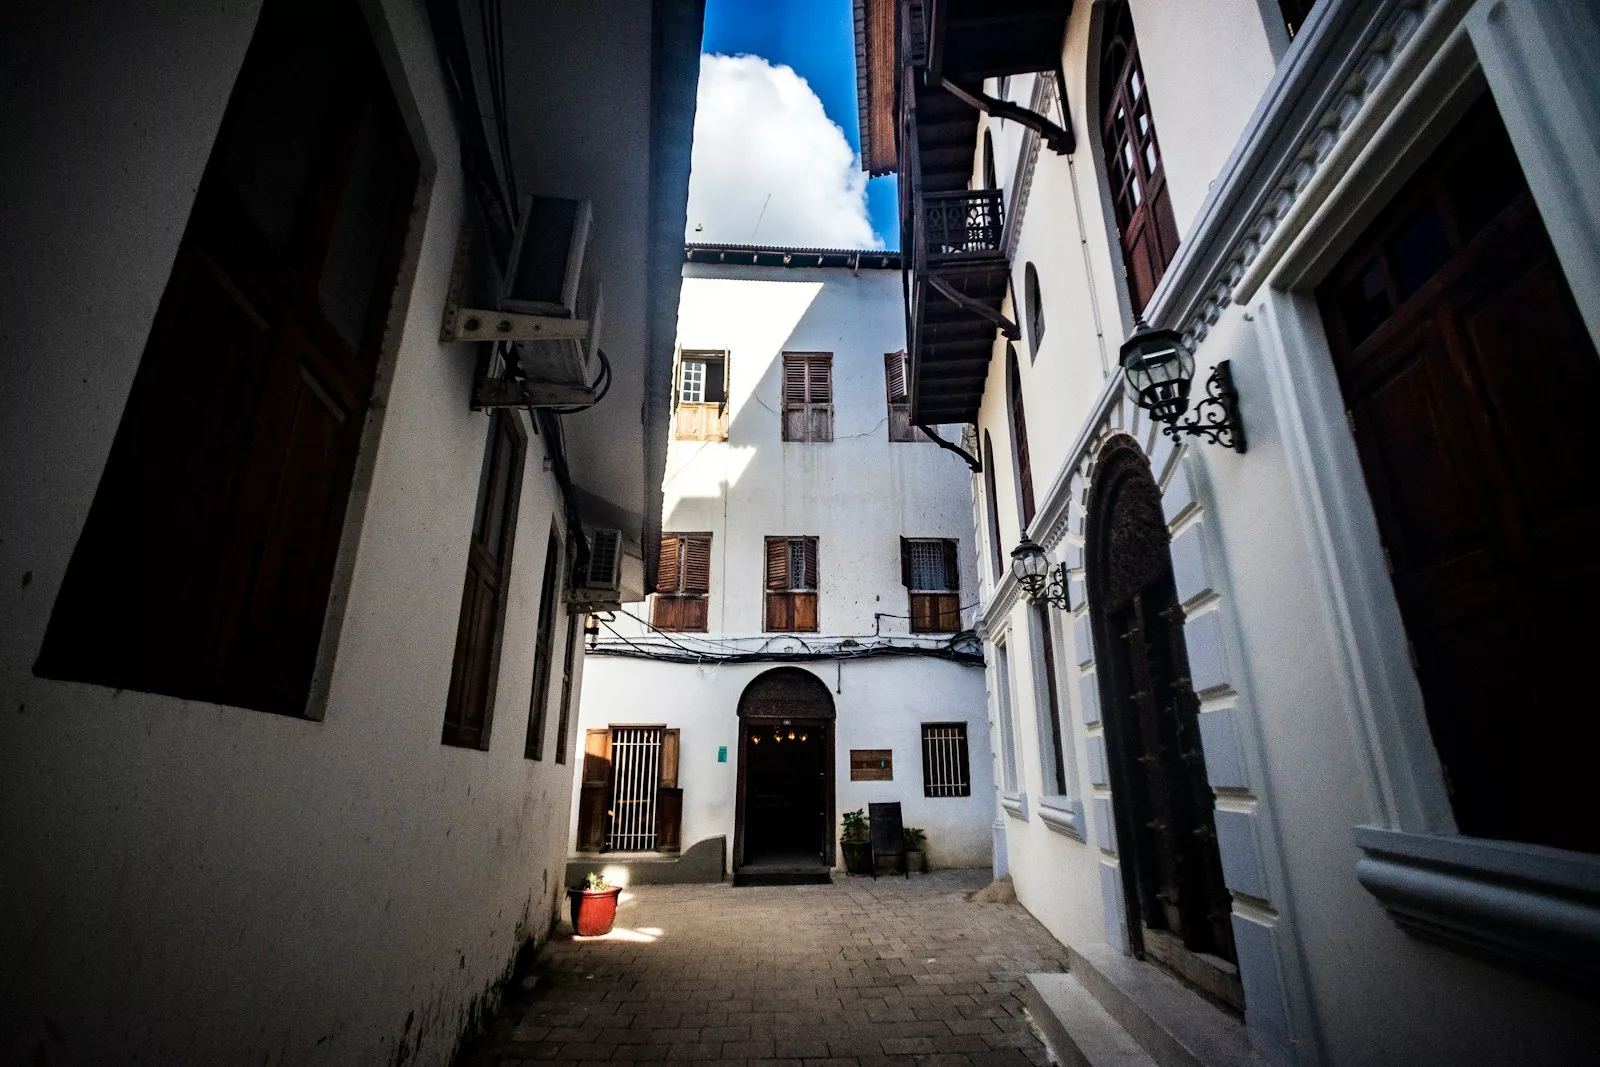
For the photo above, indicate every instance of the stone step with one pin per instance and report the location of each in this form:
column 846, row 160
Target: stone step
column 1079, row 1032
column 1170, row 1021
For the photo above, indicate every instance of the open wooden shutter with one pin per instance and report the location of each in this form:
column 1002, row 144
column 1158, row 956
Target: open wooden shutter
column 696, row 564
column 952, row 566
column 809, row 556
column 905, row 562
column 594, row 796
column 894, row 374
column 669, row 797
column 1019, row 437
column 667, row 565
column 777, row 563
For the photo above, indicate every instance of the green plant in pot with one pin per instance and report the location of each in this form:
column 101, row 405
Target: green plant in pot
column 594, row 905
column 855, row 844
column 916, row 858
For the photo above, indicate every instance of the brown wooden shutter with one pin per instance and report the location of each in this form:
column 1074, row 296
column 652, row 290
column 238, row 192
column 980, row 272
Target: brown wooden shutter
column 669, row 797
column 809, row 555
column 794, row 380
column 1019, row 437
column 803, row 612
column 777, row 563
column 667, row 565
column 696, row 564
column 819, row 387
column 595, row 794
column 894, row 373
column 952, row 566
column 543, row 649
column 905, row 562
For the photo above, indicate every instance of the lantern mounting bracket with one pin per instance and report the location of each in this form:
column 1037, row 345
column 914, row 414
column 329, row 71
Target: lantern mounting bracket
column 1216, row 418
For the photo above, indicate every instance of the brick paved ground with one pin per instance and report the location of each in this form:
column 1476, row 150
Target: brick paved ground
column 858, row 973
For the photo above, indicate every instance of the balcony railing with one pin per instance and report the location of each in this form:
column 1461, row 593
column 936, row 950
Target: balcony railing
column 961, row 225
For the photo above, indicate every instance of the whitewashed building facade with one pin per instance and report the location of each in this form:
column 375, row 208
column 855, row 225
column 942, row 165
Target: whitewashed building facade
column 778, row 678
column 287, row 648
column 1307, row 706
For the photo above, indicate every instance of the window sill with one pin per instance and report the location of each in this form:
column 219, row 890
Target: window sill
column 1015, row 805
column 1530, row 906
column 1063, row 815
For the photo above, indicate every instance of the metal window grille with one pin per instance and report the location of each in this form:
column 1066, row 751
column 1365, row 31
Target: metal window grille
column 945, row 770
column 692, row 390
column 927, row 566
column 798, row 579
column 635, row 778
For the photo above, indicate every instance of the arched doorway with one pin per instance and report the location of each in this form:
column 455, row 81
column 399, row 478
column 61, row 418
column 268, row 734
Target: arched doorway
column 784, row 819
column 1177, row 905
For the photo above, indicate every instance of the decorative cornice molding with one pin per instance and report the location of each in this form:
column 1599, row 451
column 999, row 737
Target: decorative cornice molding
column 1345, row 51
column 1044, row 96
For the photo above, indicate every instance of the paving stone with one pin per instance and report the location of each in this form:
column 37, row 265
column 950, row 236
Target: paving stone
column 892, row 973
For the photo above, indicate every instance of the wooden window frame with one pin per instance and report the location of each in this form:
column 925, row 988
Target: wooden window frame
column 991, row 504
column 789, row 605
column 469, row 703
column 930, row 607
column 209, row 566
column 569, row 678
column 682, row 599
column 806, row 393
column 544, row 649
column 964, row 754
column 703, row 419
column 1018, row 420
column 1147, row 230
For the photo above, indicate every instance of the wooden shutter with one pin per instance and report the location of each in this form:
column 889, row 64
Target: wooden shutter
column 894, row 373
column 696, row 564
column 952, row 566
column 905, row 562
column 667, row 577
column 569, row 672
column 992, row 506
column 809, row 556
column 543, row 649
column 819, row 386
column 595, row 793
column 777, row 563
column 205, row 565
column 669, row 797
column 1019, row 438
column 794, row 380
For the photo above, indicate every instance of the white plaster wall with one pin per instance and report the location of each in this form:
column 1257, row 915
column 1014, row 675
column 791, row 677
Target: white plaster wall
column 858, row 495
column 880, row 703
column 187, row 883
column 1362, row 991
column 1207, row 63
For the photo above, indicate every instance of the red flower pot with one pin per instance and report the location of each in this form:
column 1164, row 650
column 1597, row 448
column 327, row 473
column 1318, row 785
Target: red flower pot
column 593, row 910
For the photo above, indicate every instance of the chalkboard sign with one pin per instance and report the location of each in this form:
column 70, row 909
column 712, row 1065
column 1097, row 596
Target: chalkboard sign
column 888, row 835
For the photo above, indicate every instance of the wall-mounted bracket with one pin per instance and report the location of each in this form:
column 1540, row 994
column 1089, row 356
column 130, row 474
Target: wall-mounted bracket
column 479, row 324
column 1058, row 140
column 977, row 307
column 528, row 393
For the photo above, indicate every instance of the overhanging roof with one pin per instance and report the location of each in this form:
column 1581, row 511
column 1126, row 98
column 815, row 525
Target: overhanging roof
column 778, row 256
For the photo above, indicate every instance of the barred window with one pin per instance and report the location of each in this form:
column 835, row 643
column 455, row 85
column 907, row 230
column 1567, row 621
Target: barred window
column 932, row 577
column 945, row 768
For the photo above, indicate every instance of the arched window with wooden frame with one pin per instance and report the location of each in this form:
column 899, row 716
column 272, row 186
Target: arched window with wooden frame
column 992, row 506
column 1019, row 438
column 1146, row 227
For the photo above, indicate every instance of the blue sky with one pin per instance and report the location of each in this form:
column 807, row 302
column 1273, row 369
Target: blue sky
column 817, row 39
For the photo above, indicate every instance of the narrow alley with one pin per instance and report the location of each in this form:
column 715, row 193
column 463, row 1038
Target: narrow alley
column 859, row 972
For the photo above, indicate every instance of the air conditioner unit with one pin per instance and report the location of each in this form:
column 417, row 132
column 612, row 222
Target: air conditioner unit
column 550, row 274
column 597, row 584
column 547, row 257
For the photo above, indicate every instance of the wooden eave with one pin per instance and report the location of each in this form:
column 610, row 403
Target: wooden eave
column 877, row 73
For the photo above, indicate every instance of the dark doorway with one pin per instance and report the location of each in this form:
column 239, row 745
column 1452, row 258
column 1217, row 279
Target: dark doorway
column 1460, row 354
column 1178, row 906
column 784, row 821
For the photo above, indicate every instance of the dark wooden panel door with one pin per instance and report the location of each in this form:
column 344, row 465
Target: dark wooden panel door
column 1464, row 364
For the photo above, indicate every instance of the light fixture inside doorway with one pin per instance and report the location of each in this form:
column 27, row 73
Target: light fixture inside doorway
column 1038, row 579
column 1159, row 368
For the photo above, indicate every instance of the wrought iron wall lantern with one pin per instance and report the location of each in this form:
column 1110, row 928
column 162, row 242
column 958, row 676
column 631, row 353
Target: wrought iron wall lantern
column 1159, row 368
column 1038, row 579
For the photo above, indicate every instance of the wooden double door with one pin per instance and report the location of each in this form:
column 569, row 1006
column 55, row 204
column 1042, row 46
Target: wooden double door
column 1467, row 373
column 1179, row 909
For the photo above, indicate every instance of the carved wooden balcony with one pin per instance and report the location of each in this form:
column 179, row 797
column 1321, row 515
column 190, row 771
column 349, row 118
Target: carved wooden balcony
column 962, row 225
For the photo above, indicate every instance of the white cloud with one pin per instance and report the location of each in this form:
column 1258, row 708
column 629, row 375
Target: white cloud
column 761, row 130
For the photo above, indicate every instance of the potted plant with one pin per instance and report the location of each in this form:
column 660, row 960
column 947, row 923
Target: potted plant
column 916, row 859
column 855, row 844
column 594, row 906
